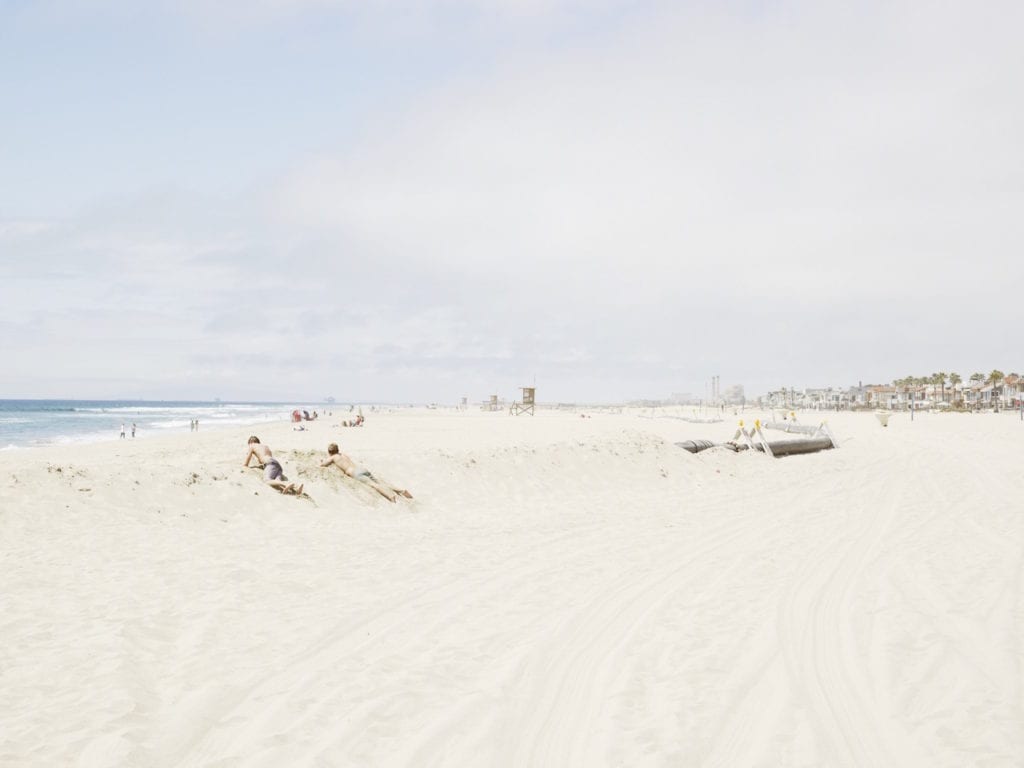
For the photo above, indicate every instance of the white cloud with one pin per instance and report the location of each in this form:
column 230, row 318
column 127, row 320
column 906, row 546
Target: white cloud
column 808, row 194
column 700, row 135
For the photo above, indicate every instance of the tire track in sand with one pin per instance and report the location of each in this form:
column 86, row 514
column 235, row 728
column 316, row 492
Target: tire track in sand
column 817, row 640
column 299, row 690
column 557, row 722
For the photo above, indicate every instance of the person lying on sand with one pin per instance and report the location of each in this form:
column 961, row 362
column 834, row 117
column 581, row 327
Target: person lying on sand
column 356, row 422
column 349, row 467
column 273, row 475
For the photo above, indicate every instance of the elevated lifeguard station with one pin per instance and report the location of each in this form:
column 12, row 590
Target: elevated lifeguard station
column 492, row 404
column 526, row 406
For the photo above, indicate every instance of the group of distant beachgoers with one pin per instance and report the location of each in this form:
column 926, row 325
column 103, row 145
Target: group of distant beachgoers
column 273, row 473
column 300, row 416
column 193, row 426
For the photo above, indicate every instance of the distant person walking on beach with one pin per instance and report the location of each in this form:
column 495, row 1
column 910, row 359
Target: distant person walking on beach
column 133, row 430
column 349, row 467
column 273, row 474
column 122, row 431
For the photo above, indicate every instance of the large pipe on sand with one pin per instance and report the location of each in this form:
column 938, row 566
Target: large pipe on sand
column 778, row 448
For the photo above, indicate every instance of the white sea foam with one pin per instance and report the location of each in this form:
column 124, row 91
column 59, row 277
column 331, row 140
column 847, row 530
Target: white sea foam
column 85, row 437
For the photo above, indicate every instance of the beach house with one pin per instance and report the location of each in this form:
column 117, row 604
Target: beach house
column 882, row 396
column 857, row 397
column 1013, row 390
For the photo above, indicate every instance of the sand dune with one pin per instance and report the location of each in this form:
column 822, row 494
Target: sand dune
column 561, row 592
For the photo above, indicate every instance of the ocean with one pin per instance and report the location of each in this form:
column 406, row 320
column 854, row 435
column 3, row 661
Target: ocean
column 34, row 423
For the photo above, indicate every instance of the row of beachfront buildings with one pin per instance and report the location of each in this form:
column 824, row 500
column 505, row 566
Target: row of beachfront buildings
column 1006, row 393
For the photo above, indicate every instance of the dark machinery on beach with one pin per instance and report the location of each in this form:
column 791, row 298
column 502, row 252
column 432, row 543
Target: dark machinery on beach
column 818, row 438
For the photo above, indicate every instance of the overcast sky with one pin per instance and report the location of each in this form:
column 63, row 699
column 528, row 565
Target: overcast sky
column 418, row 201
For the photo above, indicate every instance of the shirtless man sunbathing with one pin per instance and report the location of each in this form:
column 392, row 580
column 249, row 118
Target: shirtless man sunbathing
column 346, row 465
column 273, row 475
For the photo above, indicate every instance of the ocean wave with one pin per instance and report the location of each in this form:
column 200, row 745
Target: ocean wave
column 149, row 409
column 11, row 447
column 222, row 422
column 209, row 412
column 21, row 408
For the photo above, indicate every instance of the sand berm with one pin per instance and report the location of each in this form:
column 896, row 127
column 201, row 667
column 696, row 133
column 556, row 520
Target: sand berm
column 561, row 592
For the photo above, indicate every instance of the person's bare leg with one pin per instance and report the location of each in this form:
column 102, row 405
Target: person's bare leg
column 385, row 492
column 399, row 491
column 278, row 485
column 392, row 490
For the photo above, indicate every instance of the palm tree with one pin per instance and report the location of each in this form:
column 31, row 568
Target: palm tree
column 940, row 379
column 908, row 384
column 994, row 378
column 954, row 379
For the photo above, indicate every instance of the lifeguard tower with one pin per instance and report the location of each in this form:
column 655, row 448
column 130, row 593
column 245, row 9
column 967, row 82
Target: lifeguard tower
column 492, row 404
column 526, row 406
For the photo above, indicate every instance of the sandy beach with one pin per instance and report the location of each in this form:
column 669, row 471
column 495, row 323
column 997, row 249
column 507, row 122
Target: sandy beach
column 562, row 591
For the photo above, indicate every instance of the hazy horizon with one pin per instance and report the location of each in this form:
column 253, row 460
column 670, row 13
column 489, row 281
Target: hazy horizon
column 420, row 201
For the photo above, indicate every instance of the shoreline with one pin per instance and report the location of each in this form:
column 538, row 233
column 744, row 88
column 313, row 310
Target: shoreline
column 88, row 422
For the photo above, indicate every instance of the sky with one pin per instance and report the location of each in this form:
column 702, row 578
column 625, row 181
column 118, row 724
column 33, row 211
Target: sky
column 418, row 201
